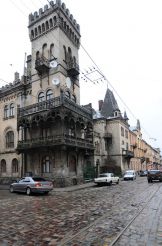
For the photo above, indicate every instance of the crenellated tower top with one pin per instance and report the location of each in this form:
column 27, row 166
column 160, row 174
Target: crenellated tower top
column 48, row 9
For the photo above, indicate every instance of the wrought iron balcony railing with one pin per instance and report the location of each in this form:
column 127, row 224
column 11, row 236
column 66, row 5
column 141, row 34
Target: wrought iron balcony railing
column 127, row 153
column 54, row 141
column 72, row 68
column 54, row 103
column 42, row 65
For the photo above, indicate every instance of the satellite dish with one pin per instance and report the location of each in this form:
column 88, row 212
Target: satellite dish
column 55, row 81
column 68, row 82
column 53, row 64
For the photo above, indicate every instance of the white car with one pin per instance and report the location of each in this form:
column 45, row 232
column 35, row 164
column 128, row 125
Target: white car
column 106, row 178
column 130, row 175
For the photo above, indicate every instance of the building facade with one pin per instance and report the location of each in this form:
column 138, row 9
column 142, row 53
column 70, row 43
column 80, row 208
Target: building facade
column 53, row 134
column 111, row 137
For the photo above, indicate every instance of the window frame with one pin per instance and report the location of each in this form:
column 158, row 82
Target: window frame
column 9, row 137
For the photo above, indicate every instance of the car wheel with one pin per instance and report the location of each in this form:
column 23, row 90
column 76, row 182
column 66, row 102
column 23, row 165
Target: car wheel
column 117, row 181
column 110, row 183
column 28, row 191
column 11, row 189
column 46, row 192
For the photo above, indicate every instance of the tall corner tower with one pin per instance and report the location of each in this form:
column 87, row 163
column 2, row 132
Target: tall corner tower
column 55, row 39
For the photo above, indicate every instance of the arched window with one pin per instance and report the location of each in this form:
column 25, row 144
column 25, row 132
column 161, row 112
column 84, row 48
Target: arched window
column 12, row 109
column 10, row 139
column 6, row 111
column 49, row 95
column 15, row 167
column 43, row 27
column 47, row 25
column 32, row 34
column 51, row 23
column 36, row 32
column 46, row 165
column 3, row 166
column 69, row 55
column 37, row 55
column 41, row 97
column 39, row 29
column 51, row 51
column 54, row 20
column 44, row 47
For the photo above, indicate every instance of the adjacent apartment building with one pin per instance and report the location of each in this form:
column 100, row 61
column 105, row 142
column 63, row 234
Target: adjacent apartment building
column 111, row 136
column 119, row 147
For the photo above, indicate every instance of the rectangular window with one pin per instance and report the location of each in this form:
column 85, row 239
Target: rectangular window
column 122, row 131
column 126, row 134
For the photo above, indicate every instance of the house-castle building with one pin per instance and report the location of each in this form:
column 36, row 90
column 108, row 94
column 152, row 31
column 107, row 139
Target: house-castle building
column 45, row 131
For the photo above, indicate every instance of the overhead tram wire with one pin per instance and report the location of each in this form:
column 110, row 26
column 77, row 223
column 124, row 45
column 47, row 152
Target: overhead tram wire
column 108, row 82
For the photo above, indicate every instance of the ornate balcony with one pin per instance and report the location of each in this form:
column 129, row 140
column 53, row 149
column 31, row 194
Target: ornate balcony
column 42, row 65
column 53, row 141
column 127, row 154
column 72, row 69
column 51, row 104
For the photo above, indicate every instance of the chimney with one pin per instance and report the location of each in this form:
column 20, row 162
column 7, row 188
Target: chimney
column 100, row 103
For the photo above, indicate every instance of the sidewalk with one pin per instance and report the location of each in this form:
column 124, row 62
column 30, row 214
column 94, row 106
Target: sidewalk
column 62, row 189
column 4, row 187
column 74, row 187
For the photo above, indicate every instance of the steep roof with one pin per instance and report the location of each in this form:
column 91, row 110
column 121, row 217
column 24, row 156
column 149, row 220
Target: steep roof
column 109, row 105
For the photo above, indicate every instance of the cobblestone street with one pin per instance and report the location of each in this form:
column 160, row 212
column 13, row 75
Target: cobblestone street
column 93, row 216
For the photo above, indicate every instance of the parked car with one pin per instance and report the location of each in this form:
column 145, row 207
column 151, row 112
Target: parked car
column 130, row 175
column 154, row 175
column 106, row 178
column 143, row 173
column 30, row 185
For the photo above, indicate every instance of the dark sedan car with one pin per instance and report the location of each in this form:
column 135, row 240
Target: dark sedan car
column 30, row 185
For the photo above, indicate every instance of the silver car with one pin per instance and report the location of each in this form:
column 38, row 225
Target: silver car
column 30, row 185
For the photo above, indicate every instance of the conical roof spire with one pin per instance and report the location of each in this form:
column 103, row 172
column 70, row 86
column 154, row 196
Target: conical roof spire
column 109, row 105
column 125, row 116
column 138, row 125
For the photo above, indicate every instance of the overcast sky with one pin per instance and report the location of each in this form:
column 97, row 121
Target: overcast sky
column 123, row 39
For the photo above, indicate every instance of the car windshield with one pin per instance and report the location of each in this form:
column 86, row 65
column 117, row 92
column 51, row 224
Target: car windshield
column 104, row 175
column 129, row 173
column 154, row 171
column 38, row 179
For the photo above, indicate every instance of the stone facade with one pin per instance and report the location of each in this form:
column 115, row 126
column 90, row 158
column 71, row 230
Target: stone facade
column 52, row 133
column 111, row 137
